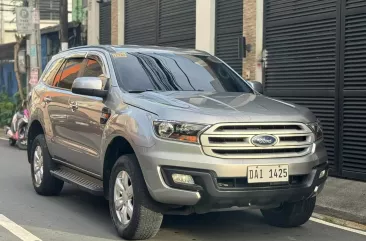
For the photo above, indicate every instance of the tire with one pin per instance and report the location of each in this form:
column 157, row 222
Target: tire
column 48, row 184
column 146, row 218
column 12, row 142
column 22, row 146
column 290, row 215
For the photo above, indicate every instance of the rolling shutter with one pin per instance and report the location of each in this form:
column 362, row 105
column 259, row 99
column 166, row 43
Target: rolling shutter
column 161, row 22
column 105, row 20
column 354, row 89
column 301, row 59
column 316, row 57
column 229, row 28
column 177, row 23
column 140, row 22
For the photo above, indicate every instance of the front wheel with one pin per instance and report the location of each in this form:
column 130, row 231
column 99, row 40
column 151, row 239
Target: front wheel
column 290, row 215
column 135, row 214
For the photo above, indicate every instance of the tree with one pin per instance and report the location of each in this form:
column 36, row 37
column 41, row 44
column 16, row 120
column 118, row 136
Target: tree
column 19, row 42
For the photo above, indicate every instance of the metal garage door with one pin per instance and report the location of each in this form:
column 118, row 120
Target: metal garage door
column 353, row 94
column 316, row 57
column 161, row 22
column 105, row 12
column 229, row 28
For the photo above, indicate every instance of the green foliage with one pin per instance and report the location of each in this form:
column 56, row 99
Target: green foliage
column 7, row 109
column 18, row 100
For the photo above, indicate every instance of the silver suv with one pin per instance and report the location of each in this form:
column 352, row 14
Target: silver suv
column 162, row 131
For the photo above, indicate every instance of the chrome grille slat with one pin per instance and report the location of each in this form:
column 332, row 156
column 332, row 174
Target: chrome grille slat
column 233, row 140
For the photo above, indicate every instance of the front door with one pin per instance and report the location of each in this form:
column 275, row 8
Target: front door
column 84, row 121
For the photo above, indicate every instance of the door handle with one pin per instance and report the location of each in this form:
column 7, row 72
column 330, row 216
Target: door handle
column 73, row 105
column 47, row 99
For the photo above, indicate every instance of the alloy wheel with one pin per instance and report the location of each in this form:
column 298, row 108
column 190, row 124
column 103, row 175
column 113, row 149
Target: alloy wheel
column 123, row 197
column 38, row 166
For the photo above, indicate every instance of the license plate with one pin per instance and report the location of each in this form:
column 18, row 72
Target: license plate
column 261, row 174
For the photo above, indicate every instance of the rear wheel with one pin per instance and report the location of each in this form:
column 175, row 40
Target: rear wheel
column 41, row 164
column 22, row 141
column 135, row 214
column 290, row 215
column 12, row 142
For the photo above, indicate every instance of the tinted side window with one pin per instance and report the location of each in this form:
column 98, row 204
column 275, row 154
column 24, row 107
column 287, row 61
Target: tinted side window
column 52, row 70
column 93, row 68
column 70, row 73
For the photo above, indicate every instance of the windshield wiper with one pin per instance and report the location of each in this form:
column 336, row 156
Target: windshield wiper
column 139, row 91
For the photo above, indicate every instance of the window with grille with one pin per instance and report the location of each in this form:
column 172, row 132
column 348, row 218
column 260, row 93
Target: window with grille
column 49, row 9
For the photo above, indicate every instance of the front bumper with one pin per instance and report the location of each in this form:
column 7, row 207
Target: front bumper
column 214, row 196
column 190, row 157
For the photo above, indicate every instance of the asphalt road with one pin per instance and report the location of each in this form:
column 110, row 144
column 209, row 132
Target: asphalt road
column 75, row 215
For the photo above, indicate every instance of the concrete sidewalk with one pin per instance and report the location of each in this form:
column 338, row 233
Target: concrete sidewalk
column 344, row 199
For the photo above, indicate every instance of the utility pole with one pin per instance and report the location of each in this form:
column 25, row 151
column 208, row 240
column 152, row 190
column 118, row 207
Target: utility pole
column 35, row 41
column 64, row 28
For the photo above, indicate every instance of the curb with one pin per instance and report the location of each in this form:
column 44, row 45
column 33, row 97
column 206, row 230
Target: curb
column 340, row 222
column 331, row 212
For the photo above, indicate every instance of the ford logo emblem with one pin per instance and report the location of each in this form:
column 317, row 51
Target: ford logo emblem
column 264, row 140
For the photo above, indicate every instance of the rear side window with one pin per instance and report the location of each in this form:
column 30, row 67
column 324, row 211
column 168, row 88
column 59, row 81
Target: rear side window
column 52, row 71
column 69, row 73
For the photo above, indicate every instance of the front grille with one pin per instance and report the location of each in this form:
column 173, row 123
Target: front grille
column 257, row 127
column 234, row 140
column 259, row 151
column 293, row 138
column 242, row 182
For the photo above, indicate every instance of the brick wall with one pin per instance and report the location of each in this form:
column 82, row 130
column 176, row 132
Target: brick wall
column 249, row 31
column 114, row 23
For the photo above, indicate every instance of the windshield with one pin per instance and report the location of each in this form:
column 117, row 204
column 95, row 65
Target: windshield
column 165, row 71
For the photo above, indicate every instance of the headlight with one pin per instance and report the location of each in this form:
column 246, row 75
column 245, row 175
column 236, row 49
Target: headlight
column 317, row 129
column 178, row 131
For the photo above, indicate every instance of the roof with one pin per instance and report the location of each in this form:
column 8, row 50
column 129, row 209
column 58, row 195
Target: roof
column 141, row 48
column 56, row 28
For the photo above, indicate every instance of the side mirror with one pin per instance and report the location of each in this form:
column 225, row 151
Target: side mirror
column 257, row 86
column 92, row 86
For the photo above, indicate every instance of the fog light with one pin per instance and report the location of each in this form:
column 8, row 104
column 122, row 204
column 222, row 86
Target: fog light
column 182, row 179
column 322, row 174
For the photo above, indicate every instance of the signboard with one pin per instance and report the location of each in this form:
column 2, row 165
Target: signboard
column 22, row 61
column 33, row 76
column 35, row 16
column 24, row 20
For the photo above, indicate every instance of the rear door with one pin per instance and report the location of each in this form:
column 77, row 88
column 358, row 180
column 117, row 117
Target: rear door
column 59, row 110
column 84, row 121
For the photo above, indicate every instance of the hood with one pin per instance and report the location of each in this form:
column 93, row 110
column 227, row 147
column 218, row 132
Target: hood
column 229, row 106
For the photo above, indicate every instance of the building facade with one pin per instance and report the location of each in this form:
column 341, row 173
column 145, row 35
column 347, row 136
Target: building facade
column 49, row 16
column 307, row 52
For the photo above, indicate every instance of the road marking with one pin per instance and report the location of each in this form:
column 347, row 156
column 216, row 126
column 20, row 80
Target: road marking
column 17, row 230
column 338, row 226
column 4, row 139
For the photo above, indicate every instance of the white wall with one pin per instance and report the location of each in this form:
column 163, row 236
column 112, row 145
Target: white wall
column 93, row 22
column 205, row 25
column 8, row 21
column 121, row 21
column 259, row 39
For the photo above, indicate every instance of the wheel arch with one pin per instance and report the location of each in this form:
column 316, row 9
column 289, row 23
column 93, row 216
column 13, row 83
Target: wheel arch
column 35, row 128
column 116, row 147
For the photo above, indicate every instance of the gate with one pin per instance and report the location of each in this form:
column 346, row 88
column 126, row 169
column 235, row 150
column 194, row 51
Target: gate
column 161, row 22
column 229, row 28
column 316, row 57
column 105, row 20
